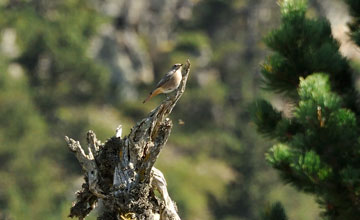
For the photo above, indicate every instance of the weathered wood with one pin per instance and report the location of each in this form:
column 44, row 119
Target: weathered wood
column 121, row 172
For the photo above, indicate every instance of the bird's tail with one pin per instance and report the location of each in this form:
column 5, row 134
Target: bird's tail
column 153, row 93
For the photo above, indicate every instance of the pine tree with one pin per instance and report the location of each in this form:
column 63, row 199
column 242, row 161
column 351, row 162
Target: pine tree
column 318, row 146
column 354, row 25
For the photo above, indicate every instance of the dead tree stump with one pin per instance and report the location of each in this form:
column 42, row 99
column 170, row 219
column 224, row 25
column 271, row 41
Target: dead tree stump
column 121, row 172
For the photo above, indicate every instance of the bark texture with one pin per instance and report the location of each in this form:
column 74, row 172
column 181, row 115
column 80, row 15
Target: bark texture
column 121, row 172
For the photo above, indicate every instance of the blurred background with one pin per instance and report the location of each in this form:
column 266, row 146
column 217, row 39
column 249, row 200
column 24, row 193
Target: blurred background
column 67, row 66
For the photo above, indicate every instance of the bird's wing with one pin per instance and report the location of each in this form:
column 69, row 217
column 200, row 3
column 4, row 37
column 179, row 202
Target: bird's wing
column 165, row 78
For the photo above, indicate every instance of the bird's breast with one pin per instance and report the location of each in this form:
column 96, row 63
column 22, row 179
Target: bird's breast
column 173, row 82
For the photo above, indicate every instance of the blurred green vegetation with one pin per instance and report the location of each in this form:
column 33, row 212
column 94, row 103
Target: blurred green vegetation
column 317, row 143
column 52, row 85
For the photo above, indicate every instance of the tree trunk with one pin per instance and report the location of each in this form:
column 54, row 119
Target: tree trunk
column 121, row 172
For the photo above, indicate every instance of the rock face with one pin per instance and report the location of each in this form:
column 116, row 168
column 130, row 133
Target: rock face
column 140, row 30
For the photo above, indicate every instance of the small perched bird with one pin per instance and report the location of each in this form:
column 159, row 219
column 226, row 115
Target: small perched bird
column 168, row 83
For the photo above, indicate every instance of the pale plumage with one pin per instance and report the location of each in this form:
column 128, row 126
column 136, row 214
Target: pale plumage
column 168, row 83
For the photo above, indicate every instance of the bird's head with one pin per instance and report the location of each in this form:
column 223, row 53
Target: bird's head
column 176, row 66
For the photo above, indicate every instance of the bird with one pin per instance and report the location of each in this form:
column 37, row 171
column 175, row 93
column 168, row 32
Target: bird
column 168, row 83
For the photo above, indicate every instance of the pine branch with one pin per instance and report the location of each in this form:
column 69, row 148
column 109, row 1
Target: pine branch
column 354, row 24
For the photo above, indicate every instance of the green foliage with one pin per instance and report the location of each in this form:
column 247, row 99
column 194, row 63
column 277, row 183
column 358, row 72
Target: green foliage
column 192, row 42
column 51, row 69
column 54, row 44
column 280, row 156
column 274, row 212
column 354, row 25
column 301, row 47
column 205, row 18
column 265, row 117
column 26, row 173
column 320, row 154
column 316, row 157
column 211, row 176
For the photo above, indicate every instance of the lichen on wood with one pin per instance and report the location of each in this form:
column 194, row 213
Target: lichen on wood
column 121, row 172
